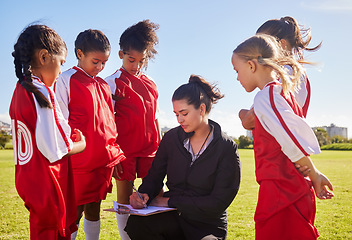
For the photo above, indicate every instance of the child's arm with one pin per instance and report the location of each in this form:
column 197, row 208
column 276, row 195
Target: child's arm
column 304, row 170
column 247, row 118
column 318, row 179
column 79, row 143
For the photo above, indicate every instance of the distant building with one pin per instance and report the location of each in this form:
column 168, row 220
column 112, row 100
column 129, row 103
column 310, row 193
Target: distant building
column 5, row 127
column 250, row 134
column 334, row 130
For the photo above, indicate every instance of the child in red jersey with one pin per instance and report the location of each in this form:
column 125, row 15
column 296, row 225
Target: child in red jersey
column 41, row 136
column 85, row 100
column 295, row 40
column 286, row 203
column 135, row 103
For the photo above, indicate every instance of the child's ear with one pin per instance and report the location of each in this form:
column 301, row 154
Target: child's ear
column 252, row 65
column 79, row 54
column 43, row 56
column 283, row 44
column 121, row 54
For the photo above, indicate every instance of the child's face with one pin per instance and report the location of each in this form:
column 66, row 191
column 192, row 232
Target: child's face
column 92, row 62
column 244, row 72
column 132, row 61
column 187, row 115
column 51, row 68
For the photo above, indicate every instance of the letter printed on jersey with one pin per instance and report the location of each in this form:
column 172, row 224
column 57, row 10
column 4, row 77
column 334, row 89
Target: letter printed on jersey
column 22, row 143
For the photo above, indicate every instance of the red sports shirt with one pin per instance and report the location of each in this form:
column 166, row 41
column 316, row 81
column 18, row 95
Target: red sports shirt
column 43, row 178
column 86, row 102
column 135, row 105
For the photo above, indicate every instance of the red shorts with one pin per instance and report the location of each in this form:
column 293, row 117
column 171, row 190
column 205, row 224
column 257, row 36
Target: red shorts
column 92, row 186
column 135, row 166
column 44, row 233
column 293, row 222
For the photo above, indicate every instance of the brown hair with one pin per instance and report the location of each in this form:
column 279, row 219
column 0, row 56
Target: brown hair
column 33, row 38
column 142, row 38
column 267, row 51
column 92, row 40
column 287, row 28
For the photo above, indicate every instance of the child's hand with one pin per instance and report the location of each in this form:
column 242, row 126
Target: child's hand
column 79, row 143
column 247, row 118
column 320, row 184
column 118, row 171
column 78, row 136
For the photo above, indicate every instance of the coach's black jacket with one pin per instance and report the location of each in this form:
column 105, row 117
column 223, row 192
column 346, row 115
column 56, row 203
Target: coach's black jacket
column 200, row 192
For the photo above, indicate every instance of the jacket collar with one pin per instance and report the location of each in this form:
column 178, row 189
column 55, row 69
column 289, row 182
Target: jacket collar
column 183, row 135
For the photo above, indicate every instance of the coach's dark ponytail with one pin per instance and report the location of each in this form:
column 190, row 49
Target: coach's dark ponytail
column 198, row 91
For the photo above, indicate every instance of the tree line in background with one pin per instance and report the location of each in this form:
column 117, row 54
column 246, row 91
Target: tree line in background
column 244, row 142
column 325, row 142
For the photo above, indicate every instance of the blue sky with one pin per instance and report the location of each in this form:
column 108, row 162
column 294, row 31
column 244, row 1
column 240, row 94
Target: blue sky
column 197, row 37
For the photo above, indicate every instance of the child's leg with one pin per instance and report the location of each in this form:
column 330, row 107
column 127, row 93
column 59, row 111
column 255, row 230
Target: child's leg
column 92, row 220
column 74, row 234
column 79, row 216
column 124, row 190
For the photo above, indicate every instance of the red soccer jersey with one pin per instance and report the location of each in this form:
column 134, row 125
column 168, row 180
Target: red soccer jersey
column 281, row 137
column 43, row 180
column 135, row 105
column 86, row 102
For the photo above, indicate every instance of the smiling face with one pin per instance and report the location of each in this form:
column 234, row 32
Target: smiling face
column 132, row 61
column 188, row 116
column 92, row 62
column 244, row 70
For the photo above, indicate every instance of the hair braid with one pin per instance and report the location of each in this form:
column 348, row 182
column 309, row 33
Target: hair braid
column 33, row 38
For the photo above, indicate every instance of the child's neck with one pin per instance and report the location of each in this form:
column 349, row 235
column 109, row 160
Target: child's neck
column 267, row 76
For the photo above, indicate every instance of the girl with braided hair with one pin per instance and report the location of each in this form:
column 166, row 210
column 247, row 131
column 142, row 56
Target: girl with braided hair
column 135, row 103
column 41, row 136
column 286, row 203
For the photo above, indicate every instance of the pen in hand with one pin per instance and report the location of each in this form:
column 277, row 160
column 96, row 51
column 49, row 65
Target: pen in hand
column 139, row 195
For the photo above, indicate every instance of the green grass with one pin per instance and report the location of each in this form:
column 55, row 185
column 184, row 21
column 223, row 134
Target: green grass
column 338, row 146
column 333, row 218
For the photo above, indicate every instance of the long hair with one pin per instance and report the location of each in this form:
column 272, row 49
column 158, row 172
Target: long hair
column 288, row 28
column 33, row 38
column 269, row 53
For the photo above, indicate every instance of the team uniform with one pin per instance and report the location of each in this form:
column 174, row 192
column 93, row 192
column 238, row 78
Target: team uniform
column 302, row 92
column 286, row 201
column 43, row 176
column 135, row 105
column 86, row 102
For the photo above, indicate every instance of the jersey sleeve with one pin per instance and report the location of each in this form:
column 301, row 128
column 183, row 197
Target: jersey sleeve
column 111, row 82
column 62, row 91
column 52, row 130
column 302, row 93
column 293, row 134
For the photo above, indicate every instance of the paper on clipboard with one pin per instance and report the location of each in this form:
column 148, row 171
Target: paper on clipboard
column 140, row 212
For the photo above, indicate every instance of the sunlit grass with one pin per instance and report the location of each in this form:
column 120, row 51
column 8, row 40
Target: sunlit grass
column 333, row 218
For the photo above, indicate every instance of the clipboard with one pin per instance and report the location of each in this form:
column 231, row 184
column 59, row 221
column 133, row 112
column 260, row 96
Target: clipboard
column 128, row 209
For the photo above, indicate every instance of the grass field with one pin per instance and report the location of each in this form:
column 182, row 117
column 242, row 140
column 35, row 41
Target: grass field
column 333, row 218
